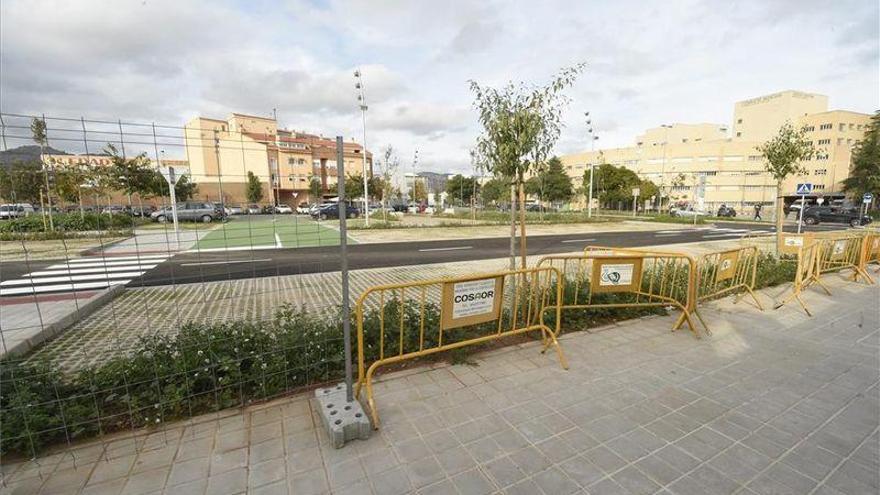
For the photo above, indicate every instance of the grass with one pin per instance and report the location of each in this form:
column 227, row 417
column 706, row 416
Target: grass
column 251, row 231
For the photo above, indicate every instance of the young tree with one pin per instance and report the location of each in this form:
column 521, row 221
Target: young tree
column 387, row 168
column 551, row 183
column 782, row 156
column 253, row 189
column 38, row 133
column 21, row 182
column 420, row 192
column 864, row 174
column 184, row 189
column 520, row 126
column 135, row 174
column 69, row 183
column 315, row 189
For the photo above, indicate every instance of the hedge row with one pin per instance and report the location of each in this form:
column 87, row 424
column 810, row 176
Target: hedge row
column 71, row 222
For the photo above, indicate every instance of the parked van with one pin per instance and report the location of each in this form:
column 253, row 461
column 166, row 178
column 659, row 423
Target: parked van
column 16, row 210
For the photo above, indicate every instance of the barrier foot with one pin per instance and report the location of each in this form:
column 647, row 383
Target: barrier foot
column 798, row 297
column 822, row 285
column 860, row 272
column 755, row 298
column 794, row 295
column 705, row 326
column 368, row 384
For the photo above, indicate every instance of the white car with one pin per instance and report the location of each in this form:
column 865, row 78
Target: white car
column 283, row 210
column 689, row 213
column 16, row 210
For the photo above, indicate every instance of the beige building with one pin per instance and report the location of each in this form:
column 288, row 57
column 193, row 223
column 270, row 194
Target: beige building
column 222, row 152
column 702, row 164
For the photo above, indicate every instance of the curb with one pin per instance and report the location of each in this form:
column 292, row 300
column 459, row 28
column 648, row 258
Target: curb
column 55, row 328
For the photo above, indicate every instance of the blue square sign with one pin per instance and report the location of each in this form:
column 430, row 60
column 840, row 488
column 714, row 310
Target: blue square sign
column 804, row 189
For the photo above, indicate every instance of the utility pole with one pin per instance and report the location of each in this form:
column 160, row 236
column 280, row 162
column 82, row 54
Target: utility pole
column 663, row 166
column 592, row 137
column 362, row 102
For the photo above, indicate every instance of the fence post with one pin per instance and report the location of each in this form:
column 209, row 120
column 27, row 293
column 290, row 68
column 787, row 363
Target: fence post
column 343, row 260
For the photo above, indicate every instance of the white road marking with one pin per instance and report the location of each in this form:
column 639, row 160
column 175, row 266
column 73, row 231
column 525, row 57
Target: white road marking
column 718, row 236
column 92, row 270
column 98, row 264
column 118, row 258
column 71, row 278
column 57, row 288
column 225, row 262
column 459, row 248
column 277, row 240
column 578, row 240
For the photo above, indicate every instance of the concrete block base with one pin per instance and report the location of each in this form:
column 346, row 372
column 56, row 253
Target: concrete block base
column 343, row 420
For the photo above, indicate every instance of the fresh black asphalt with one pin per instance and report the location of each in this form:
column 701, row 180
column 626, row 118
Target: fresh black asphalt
column 196, row 267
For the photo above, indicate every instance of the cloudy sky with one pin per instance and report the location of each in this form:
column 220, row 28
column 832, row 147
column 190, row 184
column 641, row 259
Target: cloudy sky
column 673, row 61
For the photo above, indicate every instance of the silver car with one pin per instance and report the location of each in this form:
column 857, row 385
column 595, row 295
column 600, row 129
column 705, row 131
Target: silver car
column 190, row 211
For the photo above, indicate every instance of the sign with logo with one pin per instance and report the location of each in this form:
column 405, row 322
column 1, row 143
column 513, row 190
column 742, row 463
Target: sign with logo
column 867, row 198
column 636, row 192
column 470, row 302
column 727, row 265
column 794, row 241
column 616, row 274
column 838, row 250
column 804, row 188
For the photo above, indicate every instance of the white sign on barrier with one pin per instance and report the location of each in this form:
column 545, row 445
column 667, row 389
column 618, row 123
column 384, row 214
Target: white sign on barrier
column 794, row 241
column 472, row 298
column 620, row 274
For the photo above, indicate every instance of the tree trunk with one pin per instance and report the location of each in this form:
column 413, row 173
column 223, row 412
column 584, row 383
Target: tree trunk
column 780, row 216
column 512, row 226
column 522, row 223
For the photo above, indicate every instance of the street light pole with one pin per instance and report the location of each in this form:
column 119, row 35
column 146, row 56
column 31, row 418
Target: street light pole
column 592, row 137
column 663, row 166
column 362, row 101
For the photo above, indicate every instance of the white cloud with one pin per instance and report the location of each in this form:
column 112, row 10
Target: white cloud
column 685, row 60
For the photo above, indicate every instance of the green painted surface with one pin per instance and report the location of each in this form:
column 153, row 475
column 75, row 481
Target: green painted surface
column 266, row 230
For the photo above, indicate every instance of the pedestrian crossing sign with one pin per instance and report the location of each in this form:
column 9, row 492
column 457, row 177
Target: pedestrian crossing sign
column 804, row 188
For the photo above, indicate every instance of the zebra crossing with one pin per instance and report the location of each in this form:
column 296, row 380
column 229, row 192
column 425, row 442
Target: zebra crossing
column 81, row 274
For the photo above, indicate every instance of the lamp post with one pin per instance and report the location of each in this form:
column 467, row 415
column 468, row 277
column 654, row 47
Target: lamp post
column 592, row 137
column 663, row 165
column 362, row 102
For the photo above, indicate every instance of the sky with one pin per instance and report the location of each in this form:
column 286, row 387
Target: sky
column 647, row 63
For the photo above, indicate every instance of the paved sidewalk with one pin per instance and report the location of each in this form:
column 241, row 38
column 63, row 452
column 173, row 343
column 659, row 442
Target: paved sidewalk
column 774, row 402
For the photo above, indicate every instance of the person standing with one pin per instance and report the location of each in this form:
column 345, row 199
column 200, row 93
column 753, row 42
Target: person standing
column 757, row 212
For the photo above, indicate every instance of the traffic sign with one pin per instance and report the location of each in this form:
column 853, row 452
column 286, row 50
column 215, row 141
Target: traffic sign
column 804, row 189
column 636, row 192
column 867, row 198
column 820, row 200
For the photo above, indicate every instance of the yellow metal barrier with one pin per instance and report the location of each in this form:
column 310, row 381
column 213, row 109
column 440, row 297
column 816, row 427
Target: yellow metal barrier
column 806, row 274
column 870, row 252
column 728, row 272
column 397, row 322
column 648, row 279
column 841, row 252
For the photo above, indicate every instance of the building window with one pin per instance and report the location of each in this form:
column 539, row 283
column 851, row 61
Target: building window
column 818, row 187
column 739, row 134
column 739, row 121
column 825, row 127
column 291, row 161
column 842, row 127
column 852, row 127
column 839, row 141
column 822, row 156
column 809, row 128
column 820, row 171
column 823, row 141
column 755, row 158
column 859, row 127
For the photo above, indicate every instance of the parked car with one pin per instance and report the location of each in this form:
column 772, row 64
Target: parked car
column 332, row 211
column 796, row 206
column 283, row 210
column 834, row 214
column 302, row 208
column 16, row 210
column 687, row 212
column 726, row 211
column 190, row 211
column 233, row 210
column 252, row 209
column 115, row 210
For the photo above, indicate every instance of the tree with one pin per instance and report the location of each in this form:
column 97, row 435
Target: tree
column 253, row 189
column 184, row 189
column 315, row 189
column 135, row 175
column 494, row 190
column 69, row 184
column 782, row 156
column 864, row 171
column 520, row 126
column 21, row 182
column 460, row 189
column 551, row 183
column 420, row 192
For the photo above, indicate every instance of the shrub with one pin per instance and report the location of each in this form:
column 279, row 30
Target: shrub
column 71, row 222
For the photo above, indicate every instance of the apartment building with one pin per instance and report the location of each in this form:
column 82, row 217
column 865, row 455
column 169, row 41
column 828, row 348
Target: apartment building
column 222, row 152
column 714, row 164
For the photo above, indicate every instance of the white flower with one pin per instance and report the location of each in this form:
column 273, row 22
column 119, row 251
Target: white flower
column 200, row 352
column 264, row 366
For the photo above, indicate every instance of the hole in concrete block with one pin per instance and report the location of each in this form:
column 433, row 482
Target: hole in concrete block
column 337, row 422
column 357, row 415
column 329, row 406
column 333, row 412
column 348, row 408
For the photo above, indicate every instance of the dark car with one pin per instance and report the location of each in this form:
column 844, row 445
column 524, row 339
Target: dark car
column 726, row 211
column 835, row 214
column 332, row 211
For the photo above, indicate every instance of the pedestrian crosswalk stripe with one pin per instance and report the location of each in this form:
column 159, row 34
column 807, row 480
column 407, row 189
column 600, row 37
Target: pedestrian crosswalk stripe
column 119, row 258
column 81, row 274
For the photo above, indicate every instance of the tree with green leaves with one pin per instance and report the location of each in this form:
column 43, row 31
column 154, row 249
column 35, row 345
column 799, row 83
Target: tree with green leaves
column 38, row 133
column 521, row 124
column 460, row 189
column 494, row 191
column 184, row 189
column 387, row 168
column 420, row 191
column 136, row 175
column 315, row 189
column 253, row 188
column 551, row 183
column 21, row 182
column 783, row 155
column 864, row 170
column 69, row 184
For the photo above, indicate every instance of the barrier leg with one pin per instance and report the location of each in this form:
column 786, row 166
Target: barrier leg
column 755, row 298
column 368, row 383
column 705, row 326
column 551, row 340
column 861, row 272
column 824, row 287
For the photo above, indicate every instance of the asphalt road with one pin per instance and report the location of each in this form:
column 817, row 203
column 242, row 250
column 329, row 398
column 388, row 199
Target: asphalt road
column 231, row 265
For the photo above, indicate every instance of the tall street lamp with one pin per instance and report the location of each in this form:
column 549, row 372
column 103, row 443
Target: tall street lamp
column 362, row 102
column 663, row 165
column 592, row 137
